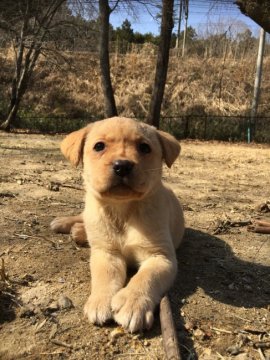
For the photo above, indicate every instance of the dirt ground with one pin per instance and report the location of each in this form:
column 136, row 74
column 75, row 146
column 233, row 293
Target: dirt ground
column 221, row 297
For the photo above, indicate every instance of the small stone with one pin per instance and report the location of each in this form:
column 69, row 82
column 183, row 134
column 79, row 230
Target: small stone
column 198, row 333
column 64, row 302
column 233, row 350
column 53, row 306
column 146, row 343
column 189, row 325
column 53, row 186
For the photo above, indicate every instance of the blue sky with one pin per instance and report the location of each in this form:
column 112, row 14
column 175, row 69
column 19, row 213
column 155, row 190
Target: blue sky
column 202, row 17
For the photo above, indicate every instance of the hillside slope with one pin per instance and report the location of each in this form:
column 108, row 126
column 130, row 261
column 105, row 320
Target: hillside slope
column 194, row 86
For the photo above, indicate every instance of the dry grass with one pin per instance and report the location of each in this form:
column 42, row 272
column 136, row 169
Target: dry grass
column 194, row 85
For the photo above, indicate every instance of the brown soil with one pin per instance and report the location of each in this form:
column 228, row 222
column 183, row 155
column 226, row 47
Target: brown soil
column 220, row 299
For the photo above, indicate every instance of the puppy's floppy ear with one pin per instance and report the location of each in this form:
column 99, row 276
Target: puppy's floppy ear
column 170, row 147
column 72, row 145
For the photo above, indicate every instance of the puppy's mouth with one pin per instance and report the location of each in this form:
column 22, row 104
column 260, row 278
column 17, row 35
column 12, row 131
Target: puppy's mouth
column 122, row 190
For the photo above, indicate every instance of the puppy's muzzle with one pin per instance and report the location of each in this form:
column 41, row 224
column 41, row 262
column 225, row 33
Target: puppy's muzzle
column 122, row 168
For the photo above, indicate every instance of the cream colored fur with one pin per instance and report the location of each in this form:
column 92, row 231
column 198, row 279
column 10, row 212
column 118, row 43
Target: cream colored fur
column 132, row 220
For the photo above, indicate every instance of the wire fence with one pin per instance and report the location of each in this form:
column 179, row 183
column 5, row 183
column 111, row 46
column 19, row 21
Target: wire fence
column 210, row 127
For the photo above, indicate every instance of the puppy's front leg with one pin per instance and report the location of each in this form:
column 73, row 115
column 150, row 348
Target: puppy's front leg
column 108, row 275
column 133, row 306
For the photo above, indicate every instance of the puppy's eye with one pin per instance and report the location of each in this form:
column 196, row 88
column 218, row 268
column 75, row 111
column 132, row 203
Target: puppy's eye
column 99, row 146
column 144, row 148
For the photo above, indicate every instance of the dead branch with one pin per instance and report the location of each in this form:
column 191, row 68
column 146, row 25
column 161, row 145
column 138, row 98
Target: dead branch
column 261, row 227
column 61, row 343
column 169, row 336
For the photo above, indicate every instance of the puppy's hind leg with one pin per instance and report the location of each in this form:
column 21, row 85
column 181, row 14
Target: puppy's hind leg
column 64, row 224
column 71, row 225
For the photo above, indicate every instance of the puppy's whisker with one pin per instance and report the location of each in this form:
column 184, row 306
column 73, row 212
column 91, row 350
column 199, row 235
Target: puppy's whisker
column 154, row 169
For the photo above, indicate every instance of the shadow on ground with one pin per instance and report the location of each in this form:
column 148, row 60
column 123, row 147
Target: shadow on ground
column 207, row 262
column 7, row 305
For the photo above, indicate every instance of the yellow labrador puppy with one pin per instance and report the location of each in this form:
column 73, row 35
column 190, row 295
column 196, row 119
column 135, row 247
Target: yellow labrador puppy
column 130, row 218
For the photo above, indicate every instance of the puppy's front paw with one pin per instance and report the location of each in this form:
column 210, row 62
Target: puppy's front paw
column 132, row 310
column 98, row 309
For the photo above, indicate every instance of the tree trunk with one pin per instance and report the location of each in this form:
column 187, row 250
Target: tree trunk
column 109, row 101
column 20, row 84
column 10, row 118
column 162, row 63
column 27, row 56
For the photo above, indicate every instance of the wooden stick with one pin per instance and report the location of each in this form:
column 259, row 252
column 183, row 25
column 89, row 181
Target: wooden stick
column 263, row 223
column 170, row 342
column 61, row 343
column 259, row 229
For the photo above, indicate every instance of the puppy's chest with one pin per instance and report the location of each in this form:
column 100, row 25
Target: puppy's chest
column 122, row 236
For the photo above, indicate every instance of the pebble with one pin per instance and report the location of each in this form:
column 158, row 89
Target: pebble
column 189, row 325
column 64, row 302
column 233, row 350
column 198, row 333
column 53, row 186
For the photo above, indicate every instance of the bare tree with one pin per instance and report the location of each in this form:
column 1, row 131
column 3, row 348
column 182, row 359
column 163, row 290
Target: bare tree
column 162, row 63
column 104, row 57
column 186, row 11
column 28, row 23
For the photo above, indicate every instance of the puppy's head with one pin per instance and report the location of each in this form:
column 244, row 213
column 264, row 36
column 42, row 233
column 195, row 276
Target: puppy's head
column 122, row 158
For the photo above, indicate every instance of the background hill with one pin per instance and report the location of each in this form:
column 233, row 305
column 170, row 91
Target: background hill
column 196, row 85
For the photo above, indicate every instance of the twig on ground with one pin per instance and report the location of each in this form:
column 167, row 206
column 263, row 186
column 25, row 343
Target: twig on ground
column 261, row 354
column 221, row 330
column 58, row 352
column 220, row 356
column 168, row 330
column 262, row 345
column 3, row 275
column 261, row 227
column 132, row 354
column 254, row 331
column 25, row 237
column 61, row 343
column 72, row 186
column 224, row 226
column 241, row 318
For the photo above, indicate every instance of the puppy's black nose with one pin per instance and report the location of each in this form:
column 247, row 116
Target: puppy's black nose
column 122, row 168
